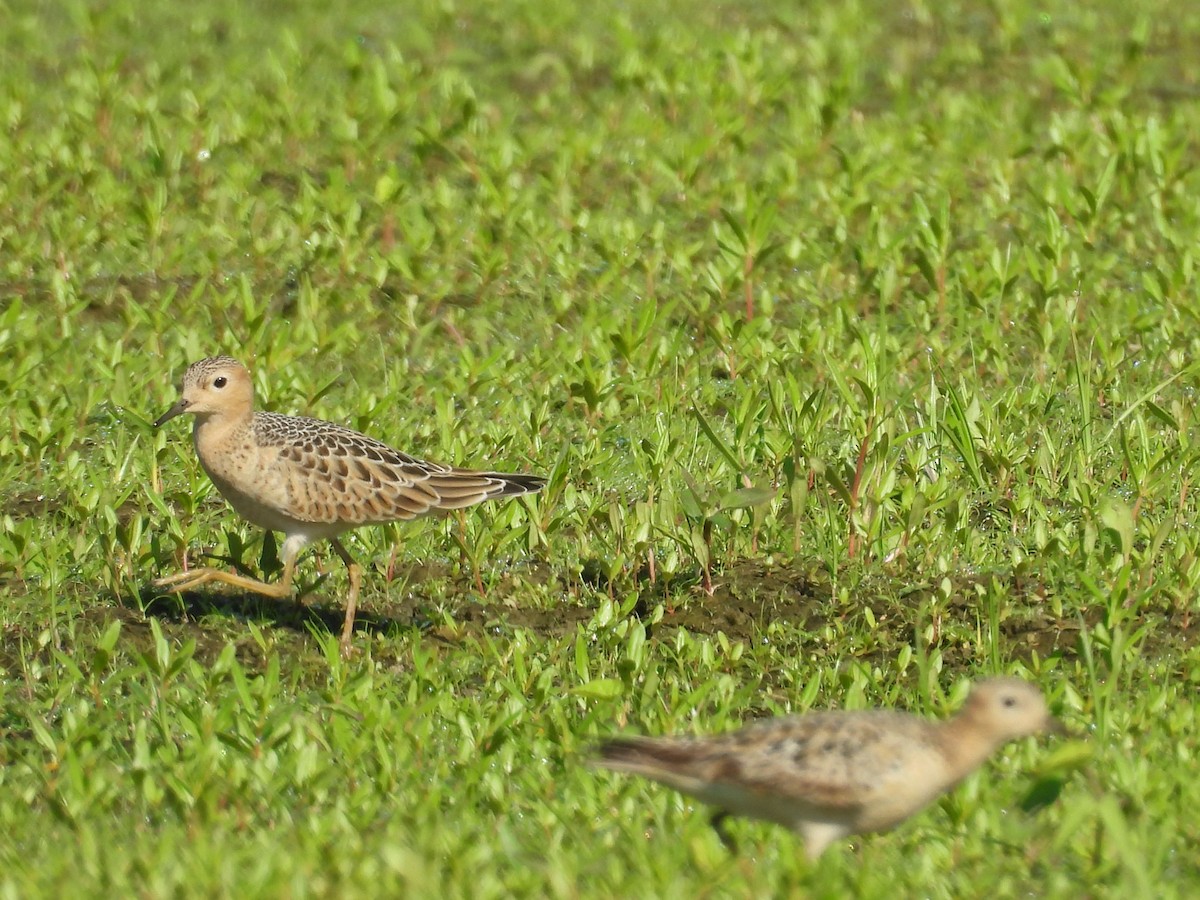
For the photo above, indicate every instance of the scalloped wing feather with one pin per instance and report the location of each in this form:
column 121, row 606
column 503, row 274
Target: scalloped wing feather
column 342, row 476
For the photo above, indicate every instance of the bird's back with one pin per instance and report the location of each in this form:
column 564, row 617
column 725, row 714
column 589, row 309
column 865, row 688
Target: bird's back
column 336, row 475
column 870, row 769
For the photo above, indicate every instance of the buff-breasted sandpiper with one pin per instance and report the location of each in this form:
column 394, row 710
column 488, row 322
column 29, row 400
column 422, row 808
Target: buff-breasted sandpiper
column 828, row 775
column 310, row 479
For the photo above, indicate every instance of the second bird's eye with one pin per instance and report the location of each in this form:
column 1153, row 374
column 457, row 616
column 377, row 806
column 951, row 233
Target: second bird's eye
column 220, row 381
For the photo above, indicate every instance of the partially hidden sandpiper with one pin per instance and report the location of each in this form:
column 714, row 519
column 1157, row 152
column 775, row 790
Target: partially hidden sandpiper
column 828, row 775
column 310, row 479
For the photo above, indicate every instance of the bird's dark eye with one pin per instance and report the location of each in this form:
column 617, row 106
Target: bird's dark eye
column 1010, row 702
column 220, row 381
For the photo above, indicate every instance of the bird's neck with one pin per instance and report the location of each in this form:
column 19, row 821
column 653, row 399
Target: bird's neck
column 212, row 430
column 965, row 745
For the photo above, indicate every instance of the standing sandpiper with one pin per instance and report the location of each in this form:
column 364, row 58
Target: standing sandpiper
column 310, row 479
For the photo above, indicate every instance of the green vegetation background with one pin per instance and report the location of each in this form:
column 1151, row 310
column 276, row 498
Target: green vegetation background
column 858, row 342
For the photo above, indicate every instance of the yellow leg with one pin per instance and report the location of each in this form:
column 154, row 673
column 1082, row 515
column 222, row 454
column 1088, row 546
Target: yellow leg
column 352, row 599
column 186, row 581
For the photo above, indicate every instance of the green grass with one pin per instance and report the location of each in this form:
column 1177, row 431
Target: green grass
column 857, row 340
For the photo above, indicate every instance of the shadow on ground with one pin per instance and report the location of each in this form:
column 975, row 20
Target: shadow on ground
column 881, row 615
